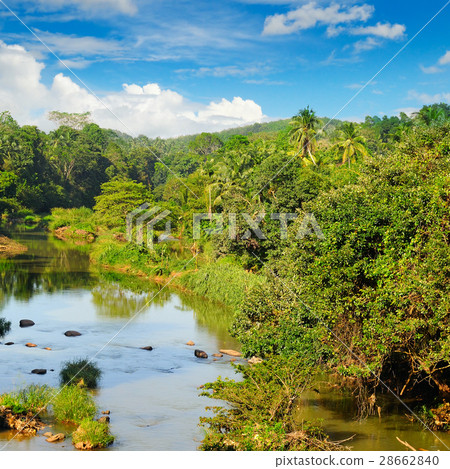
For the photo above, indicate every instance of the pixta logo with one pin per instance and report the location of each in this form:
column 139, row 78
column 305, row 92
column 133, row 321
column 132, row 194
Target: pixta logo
column 308, row 225
column 144, row 216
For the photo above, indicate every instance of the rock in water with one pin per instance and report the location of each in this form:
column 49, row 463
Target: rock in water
column 72, row 333
column 233, row 353
column 200, row 354
column 39, row 371
column 9, row 343
column 104, row 419
column 190, row 343
column 29, row 344
column 56, row 438
column 220, row 355
column 148, row 347
column 26, row 323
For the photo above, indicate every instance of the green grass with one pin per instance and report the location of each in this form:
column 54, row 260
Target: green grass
column 5, row 327
column 93, row 434
column 78, row 218
column 73, row 404
column 80, row 370
column 33, row 398
column 222, row 281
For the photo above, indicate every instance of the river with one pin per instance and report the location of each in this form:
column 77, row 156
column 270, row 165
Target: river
column 153, row 396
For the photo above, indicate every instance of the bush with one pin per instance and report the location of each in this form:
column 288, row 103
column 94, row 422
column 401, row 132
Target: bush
column 73, row 404
column 92, row 434
column 80, row 371
column 33, row 398
column 260, row 412
column 5, row 327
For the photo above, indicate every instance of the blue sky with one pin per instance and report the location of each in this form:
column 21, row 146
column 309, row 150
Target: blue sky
column 166, row 67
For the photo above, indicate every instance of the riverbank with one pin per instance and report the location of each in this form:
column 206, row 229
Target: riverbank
column 9, row 247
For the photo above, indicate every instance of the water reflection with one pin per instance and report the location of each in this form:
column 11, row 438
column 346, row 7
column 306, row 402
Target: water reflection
column 120, row 296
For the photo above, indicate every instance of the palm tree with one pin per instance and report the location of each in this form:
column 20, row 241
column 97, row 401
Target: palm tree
column 431, row 115
column 303, row 132
column 352, row 144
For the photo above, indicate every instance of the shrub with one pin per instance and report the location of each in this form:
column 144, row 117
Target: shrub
column 5, row 327
column 92, row 434
column 80, row 371
column 73, row 404
column 260, row 412
column 33, row 398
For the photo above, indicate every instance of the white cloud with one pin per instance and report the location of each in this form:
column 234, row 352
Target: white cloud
column 311, row 15
column 366, row 44
column 148, row 109
column 445, row 59
column 425, row 98
column 384, row 30
column 123, row 6
column 85, row 46
column 407, row 110
column 430, row 70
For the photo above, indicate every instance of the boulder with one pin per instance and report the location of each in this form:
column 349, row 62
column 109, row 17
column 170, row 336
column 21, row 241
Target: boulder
column 39, row 371
column 232, row 353
column 9, row 343
column 106, row 412
column 29, row 344
column 26, row 323
column 200, row 354
column 190, row 343
column 104, row 419
column 255, row 360
column 148, row 347
column 72, row 333
column 56, row 438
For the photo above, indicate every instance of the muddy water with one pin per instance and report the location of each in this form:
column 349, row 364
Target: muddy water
column 152, row 396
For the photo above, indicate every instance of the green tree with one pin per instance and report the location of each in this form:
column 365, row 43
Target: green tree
column 303, row 133
column 351, row 143
column 119, row 197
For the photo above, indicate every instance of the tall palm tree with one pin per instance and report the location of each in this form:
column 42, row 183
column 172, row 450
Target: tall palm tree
column 303, row 132
column 431, row 115
column 352, row 144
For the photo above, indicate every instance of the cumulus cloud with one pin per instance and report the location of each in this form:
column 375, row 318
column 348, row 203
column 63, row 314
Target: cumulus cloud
column 366, row 44
column 149, row 109
column 445, row 59
column 311, row 15
column 431, row 69
column 384, row 30
column 425, row 98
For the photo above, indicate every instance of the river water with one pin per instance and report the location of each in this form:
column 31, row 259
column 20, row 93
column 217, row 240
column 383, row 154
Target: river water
column 153, row 396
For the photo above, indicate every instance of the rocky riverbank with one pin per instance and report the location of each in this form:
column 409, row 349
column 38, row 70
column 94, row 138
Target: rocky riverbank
column 9, row 247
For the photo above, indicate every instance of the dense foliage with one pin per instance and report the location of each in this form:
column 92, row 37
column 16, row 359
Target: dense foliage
column 354, row 278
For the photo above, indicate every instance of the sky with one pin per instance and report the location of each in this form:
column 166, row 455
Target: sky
column 174, row 67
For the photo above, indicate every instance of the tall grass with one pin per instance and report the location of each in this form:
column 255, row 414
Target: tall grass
column 80, row 371
column 78, row 218
column 223, row 282
column 5, row 327
column 73, row 404
column 33, row 398
column 92, row 434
